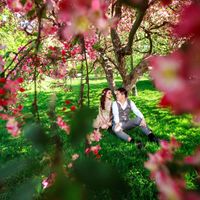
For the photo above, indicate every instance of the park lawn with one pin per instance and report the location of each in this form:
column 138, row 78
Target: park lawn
column 121, row 156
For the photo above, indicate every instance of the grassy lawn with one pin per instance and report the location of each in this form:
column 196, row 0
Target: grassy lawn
column 121, row 156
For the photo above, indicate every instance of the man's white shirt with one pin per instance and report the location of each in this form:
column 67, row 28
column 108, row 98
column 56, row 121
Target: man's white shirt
column 115, row 110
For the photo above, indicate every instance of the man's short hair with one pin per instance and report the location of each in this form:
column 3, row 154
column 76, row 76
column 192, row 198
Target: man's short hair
column 123, row 91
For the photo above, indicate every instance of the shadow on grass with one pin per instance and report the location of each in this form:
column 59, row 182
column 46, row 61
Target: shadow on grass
column 145, row 85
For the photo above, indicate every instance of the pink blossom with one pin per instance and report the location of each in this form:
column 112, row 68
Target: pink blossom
column 177, row 75
column 190, row 195
column 2, row 91
column 170, row 188
column 87, row 150
column 94, row 136
column 50, row 4
column 63, row 125
column 4, row 116
column 13, row 127
column 2, row 63
column 189, row 24
column 49, row 29
column 80, row 15
column 2, row 80
column 70, row 165
column 194, row 159
column 11, row 85
column 47, row 182
column 95, row 149
column 166, row 72
column 17, row 6
column 75, row 156
column 165, row 154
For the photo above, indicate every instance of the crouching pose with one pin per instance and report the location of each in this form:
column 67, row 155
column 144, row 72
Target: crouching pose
column 121, row 121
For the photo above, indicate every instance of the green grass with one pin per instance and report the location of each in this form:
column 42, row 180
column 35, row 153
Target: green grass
column 121, row 156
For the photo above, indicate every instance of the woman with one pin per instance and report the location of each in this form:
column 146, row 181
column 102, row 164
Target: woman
column 104, row 119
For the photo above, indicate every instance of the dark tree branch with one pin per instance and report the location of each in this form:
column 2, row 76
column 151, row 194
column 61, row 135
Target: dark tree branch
column 16, row 55
column 114, row 35
column 135, row 26
column 19, row 62
column 39, row 12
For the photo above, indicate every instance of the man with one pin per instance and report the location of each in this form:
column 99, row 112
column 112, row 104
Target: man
column 121, row 122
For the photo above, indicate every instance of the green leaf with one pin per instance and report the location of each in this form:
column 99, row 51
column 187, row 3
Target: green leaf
column 36, row 135
column 81, row 124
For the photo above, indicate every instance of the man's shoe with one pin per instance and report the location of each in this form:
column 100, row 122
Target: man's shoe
column 153, row 138
column 139, row 145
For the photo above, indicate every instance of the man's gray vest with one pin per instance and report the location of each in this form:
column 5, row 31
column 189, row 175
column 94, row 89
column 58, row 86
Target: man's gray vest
column 124, row 114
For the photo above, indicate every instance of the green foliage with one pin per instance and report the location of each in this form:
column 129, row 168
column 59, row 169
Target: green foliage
column 10, row 34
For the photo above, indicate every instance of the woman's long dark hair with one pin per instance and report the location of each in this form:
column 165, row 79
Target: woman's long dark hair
column 103, row 97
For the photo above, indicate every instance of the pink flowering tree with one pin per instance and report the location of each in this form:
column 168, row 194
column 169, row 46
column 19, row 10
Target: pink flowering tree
column 62, row 34
column 142, row 28
column 177, row 75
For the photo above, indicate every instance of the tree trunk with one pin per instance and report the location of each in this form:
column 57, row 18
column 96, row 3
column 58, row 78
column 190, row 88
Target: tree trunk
column 108, row 72
column 134, row 90
column 137, row 72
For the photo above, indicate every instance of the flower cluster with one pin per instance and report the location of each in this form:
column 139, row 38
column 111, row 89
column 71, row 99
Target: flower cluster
column 95, row 136
column 79, row 16
column 8, row 103
column 63, row 125
column 18, row 6
column 94, row 149
column 74, row 157
column 178, row 74
column 169, row 171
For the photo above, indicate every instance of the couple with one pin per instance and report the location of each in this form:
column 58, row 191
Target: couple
column 116, row 114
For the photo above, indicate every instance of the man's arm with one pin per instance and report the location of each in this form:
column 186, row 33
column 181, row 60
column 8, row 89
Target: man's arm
column 137, row 113
column 136, row 110
column 115, row 112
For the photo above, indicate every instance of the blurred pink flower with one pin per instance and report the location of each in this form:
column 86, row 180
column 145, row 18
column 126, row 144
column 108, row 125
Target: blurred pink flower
column 162, row 156
column 75, row 156
column 47, row 182
column 2, row 63
column 63, row 125
column 94, row 136
column 17, row 6
column 178, row 76
column 166, row 72
column 170, row 187
column 70, row 165
column 194, row 159
column 87, row 150
column 80, row 15
column 95, row 149
column 189, row 24
column 48, row 29
column 12, row 127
